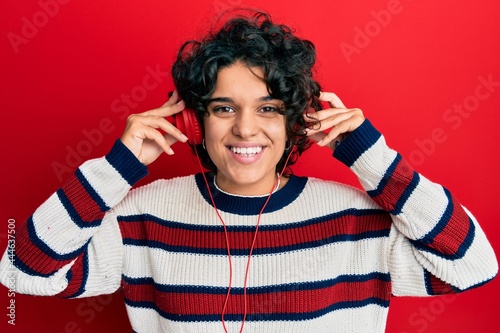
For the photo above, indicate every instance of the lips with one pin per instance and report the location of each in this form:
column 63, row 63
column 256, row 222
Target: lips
column 246, row 151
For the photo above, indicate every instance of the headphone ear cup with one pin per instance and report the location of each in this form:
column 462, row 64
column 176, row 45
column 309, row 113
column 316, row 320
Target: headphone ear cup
column 188, row 124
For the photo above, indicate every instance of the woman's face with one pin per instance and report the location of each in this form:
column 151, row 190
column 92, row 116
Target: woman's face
column 244, row 133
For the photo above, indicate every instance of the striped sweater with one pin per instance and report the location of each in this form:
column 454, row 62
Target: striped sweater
column 328, row 257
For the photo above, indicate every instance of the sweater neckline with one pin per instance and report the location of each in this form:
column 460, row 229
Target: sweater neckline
column 250, row 205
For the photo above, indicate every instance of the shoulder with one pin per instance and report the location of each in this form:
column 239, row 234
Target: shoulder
column 321, row 200
column 175, row 185
column 159, row 193
column 342, row 196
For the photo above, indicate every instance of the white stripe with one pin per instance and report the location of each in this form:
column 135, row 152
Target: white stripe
column 372, row 165
column 105, row 257
column 316, row 264
column 407, row 275
column 174, row 198
column 424, row 207
column 105, row 180
column 55, row 228
column 10, row 276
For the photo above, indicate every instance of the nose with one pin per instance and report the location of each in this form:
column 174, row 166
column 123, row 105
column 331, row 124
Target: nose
column 245, row 124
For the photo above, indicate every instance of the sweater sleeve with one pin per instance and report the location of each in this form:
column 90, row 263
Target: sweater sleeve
column 436, row 244
column 71, row 246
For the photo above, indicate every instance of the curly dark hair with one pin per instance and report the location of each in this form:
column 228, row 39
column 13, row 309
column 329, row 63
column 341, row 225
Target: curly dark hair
column 253, row 39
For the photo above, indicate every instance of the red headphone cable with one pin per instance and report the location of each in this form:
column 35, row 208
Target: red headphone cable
column 228, row 247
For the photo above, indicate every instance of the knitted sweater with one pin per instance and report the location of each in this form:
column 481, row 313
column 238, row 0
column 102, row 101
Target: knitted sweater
column 327, row 258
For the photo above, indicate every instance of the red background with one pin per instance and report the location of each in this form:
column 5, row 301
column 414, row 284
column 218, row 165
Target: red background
column 67, row 69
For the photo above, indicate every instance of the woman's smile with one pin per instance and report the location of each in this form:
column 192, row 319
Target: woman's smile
column 244, row 132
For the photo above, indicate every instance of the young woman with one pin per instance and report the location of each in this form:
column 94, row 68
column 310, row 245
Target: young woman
column 248, row 246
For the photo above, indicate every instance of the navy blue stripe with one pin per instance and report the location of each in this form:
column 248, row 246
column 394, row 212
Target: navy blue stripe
column 259, row 251
column 46, row 249
column 443, row 221
column 423, row 243
column 261, row 317
column 357, row 143
column 278, row 227
column 261, row 290
column 90, row 190
column 267, row 228
column 310, row 315
column 19, row 264
column 85, row 274
column 354, row 278
column 461, row 251
column 126, row 163
column 385, row 180
column 406, row 194
column 428, row 283
column 250, row 205
column 69, row 275
column 73, row 213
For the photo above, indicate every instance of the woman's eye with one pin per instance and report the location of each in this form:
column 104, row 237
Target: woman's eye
column 269, row 110
column 223, row 110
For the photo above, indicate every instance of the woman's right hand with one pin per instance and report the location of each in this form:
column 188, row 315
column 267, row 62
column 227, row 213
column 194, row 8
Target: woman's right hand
column 142, row 136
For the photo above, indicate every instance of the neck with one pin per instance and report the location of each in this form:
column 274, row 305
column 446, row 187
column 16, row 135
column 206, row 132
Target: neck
column 250, row 190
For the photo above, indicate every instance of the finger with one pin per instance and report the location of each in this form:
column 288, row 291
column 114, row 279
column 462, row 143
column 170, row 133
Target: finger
column 161, row 123
column 332, row 99
column 325, row 114
column 330, row 137
column 317, row 137
column 146, row 143
column 172, row 99
column 328, row 119
column 151, row 134
column 345, row 126
column 172, row 131
column 165, row 110
column 170, row 139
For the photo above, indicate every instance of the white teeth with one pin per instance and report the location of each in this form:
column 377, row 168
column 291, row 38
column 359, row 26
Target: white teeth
column 249, row 151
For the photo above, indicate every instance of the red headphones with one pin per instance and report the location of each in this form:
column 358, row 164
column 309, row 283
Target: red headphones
column 187, row 122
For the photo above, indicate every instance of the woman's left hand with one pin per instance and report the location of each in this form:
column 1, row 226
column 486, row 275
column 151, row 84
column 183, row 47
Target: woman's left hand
column 338, row 118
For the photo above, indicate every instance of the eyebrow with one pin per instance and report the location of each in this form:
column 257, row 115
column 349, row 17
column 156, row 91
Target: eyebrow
column 230, row 100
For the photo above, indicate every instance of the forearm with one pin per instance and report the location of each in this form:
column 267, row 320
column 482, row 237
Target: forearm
column 444, row 237
column 52, row 247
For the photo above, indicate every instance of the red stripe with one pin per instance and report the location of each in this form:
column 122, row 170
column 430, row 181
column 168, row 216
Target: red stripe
column 175, row 236
column 299, row 301
column 453, row 235
column 439, row 287
column 76, row 279
column 396, row 185
column 86, row 207
column 31, row 255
